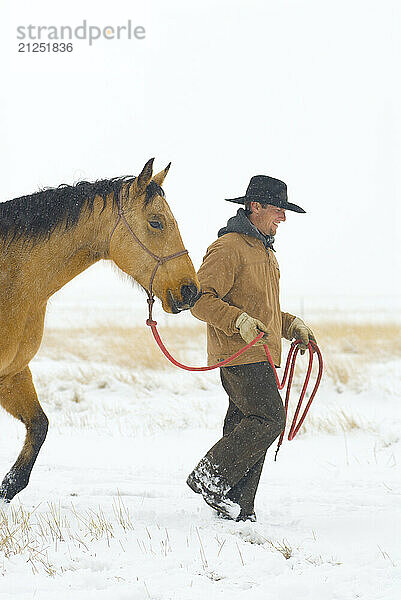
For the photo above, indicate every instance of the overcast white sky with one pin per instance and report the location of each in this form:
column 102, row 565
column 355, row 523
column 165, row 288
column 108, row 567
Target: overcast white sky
column 308, row 92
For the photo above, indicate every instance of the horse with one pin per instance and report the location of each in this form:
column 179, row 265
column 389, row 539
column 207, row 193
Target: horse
column 49, row 237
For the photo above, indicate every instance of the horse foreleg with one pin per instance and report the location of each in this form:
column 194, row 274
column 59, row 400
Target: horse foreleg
column 18, row 397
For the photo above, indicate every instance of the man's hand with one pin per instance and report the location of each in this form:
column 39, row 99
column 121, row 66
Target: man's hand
column 250, row 328
column 300, row 331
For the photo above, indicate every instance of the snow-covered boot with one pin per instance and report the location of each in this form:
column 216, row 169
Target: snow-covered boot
column 246, row 516
column 205, row 480
column 243, row 516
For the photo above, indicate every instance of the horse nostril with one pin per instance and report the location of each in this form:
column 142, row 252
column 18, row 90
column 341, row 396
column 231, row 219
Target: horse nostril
column 190, row 294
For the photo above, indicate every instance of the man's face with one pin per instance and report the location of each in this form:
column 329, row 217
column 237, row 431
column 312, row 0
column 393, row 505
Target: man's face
column 267, row 217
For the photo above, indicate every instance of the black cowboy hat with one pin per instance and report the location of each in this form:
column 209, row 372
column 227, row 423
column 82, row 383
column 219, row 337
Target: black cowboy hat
column 267, row 190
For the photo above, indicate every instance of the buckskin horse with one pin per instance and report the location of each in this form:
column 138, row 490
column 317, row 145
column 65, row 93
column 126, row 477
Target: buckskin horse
column 51, row 236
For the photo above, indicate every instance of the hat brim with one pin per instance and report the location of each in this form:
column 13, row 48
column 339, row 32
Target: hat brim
column 285, row 205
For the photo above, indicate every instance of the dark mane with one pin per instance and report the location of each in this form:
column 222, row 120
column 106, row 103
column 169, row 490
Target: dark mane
column 153, row 190
column 36, row 216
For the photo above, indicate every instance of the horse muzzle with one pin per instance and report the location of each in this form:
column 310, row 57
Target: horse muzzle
column 190, row 293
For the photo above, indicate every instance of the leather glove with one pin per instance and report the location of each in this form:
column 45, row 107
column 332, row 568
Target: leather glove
column 300, row 331
column 249, row 328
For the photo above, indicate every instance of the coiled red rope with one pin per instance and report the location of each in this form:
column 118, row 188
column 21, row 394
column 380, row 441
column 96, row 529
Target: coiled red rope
column 288, row 372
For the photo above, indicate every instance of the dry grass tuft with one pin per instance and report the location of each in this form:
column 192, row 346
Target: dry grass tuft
column 18, row 538
column 36, row 536
column 282, row 547
column 339, row 421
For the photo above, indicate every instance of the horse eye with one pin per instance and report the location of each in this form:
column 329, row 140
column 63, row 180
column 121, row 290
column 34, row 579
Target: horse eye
column 156, row 225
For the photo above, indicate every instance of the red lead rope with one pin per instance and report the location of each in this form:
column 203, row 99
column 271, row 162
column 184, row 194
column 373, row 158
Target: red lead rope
column 290, row 367
column 289, row 370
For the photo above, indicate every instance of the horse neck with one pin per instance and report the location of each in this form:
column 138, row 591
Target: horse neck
column 50, row 264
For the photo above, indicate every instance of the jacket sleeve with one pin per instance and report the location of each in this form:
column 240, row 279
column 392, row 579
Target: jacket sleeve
column 216, row 277
column 286, row 320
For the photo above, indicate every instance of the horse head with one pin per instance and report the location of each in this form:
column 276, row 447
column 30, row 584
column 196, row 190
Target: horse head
column 146, row 243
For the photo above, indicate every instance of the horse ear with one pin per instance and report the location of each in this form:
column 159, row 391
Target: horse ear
column 160, row 177
column 145, row 176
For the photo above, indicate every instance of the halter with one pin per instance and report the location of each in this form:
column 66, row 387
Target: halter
column 160, row 260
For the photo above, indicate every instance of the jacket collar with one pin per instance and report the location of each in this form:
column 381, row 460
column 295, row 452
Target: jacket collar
column 241, row 224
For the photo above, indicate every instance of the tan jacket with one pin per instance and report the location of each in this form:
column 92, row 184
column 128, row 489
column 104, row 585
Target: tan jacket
column 239, row 275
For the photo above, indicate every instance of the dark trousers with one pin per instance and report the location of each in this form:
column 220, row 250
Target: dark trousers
column 254, row 419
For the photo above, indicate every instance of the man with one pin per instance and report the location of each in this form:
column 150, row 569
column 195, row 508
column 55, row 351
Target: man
column 240, row 298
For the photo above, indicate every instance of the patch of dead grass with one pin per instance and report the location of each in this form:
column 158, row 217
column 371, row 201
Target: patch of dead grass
column 350, row 349
column 370, row 340
column 347, row 348
column 34, row 535
column 127, row 347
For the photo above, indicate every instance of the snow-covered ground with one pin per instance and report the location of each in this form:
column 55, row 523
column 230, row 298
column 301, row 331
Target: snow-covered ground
column 107, row 513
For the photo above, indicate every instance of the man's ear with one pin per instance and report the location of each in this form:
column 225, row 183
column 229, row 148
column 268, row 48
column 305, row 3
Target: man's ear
column 160, row 177
column 144, row 177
